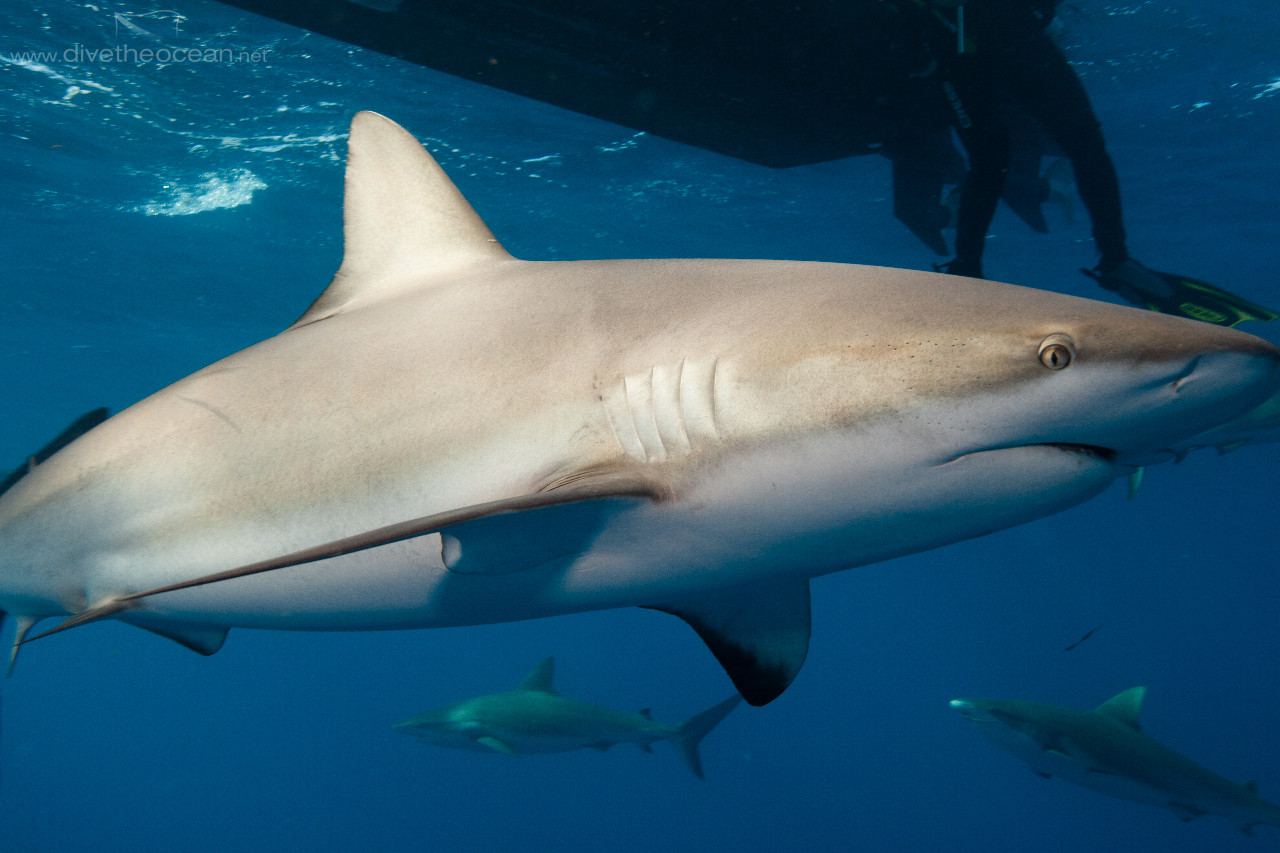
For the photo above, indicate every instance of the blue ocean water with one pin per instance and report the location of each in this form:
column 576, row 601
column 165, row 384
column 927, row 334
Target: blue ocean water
column 162, row 216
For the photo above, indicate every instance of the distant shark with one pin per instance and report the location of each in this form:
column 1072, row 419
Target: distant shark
column 1105, row 750
column 534, row 718
column 453, row 437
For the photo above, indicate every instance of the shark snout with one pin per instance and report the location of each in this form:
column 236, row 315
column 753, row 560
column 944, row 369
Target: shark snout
column 1208, row 379
column 1253, row 374
column 971, row 711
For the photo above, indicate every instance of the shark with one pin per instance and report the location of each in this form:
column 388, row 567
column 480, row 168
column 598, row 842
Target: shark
column 452, row 436
column 1260, row 425
column 535, row 719
column 1106, row 750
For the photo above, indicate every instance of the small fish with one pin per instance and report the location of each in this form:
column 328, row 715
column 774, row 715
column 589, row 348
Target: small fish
column 1082, row 639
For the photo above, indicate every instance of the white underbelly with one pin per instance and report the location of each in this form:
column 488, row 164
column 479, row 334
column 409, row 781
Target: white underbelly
column 722, row 534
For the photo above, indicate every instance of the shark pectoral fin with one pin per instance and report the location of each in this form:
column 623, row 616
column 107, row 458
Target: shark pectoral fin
column 583, row 489
column 497, row 745
column 1047, row 738
column 521, row 539
column 1185, row 812
column 1042, row 774
column 760, row 634
column 205, row 639
column 1135, row 482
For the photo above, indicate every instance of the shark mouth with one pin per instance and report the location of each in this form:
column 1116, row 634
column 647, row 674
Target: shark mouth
column 1091, row 451
column 1104, row 453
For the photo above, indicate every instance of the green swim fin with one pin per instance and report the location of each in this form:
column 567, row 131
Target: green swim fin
column 1181, row 295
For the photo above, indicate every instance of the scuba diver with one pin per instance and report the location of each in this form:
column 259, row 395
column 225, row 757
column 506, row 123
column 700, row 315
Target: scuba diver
column 984, row 53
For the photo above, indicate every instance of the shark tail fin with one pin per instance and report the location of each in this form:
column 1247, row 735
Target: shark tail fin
column 693, row 730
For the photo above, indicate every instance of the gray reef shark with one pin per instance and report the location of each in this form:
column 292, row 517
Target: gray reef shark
column 451, row 436
column 534, row 718
column 1106, row 750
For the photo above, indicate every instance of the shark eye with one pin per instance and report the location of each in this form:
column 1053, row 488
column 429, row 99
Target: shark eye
column 1057, row 351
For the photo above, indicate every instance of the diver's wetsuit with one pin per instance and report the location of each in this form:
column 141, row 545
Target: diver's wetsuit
column 1008, row 51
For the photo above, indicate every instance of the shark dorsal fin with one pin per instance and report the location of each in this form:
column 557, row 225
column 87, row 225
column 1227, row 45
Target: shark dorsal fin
column 1124, row 707
column 403, row 221
column 539, row 680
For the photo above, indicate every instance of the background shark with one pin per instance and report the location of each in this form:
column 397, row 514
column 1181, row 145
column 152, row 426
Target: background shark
column 460, row 437
column 1106, row 750
column 534, row 718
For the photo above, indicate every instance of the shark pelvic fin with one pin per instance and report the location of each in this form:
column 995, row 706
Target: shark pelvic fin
column 205, row 639
column 760, row 635
column 1124, row 707
column 403, row 221
column 22, row 624
column 539, row 681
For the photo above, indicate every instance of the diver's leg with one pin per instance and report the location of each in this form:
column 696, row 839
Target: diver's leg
column 975, row 106
column 1044, row 83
